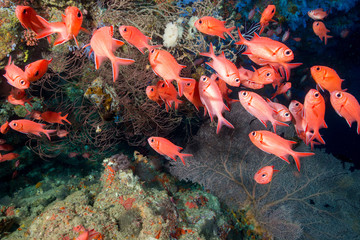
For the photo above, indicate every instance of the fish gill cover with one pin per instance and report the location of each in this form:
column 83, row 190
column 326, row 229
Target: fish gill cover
column 99, row 97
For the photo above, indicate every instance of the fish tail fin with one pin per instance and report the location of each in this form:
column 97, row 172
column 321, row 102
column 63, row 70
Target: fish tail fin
column 177, row 102
column 119, row 61
column 297, row 155
column 182, row 155
column 315, row 135
column 47, row 132
column 326, row 37
column 287, row 67
column 47, row 30
column 262, row 27
column 242, row 39
column 228, row 31
column 63, row 118
column 150, row 47
column 210, row 53
column 223, row 121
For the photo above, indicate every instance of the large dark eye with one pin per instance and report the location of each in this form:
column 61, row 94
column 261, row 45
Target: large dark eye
column 338, row 95
column 162, row 85
column 268, row 74
column 203, row 79
column 188, row 84
column 200, row 21
column 14, row 124
column 288, row 52
column 124, row 29
column 152, row 140
column 152, row 50
column 237, row 80
column 244, row 94
column 296, row 104
column 287, row 114
column 273, row 11
column 24, row 12
column 79, row 14
column 22, row 82
column 151, row 89
column 317, row 24
column 253, row 133
column 317, row 94
column 37, row 73
column 264, row 175
column 317, row 68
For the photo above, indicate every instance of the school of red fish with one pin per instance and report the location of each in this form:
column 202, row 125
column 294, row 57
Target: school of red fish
column 209, row 93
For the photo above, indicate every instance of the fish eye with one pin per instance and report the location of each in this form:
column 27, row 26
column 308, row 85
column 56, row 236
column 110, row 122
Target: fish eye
column 152, row 140
column 317, row 24
column 268, row 74
column 253, row 133
column 288, row 52
column 273, row 11
column 263, row 175
column 200, row 21
column 15, row 124
column 124, row 29
column 338, row 95
column 317, row 94
column 188, row 84
column 296, row 104
column 24, row 12
column 203, row 79
column 162, row 85
column 317, row 68
column 244, row 94
column 151, row 89
column 152, row 50
column 37, row 73
column 287, row 114
column 79, row 14
column 22, row 82
column 237, row 80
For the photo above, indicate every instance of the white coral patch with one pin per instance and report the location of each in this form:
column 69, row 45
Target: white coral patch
column 172, row 33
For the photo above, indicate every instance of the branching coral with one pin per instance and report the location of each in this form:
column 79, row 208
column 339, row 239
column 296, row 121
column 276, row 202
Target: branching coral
column 293, row 202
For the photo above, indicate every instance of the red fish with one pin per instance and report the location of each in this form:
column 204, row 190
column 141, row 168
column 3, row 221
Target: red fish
column 321, row 31
column 62, row 133
column 264, row 75
column 15, row 76
column 267, row 16
column 165, row 66
column 27, row 126
column 167, row 148
column 245, row 74
column 264, row 175
column 5, row 128
column 282, row 89
column 271, row 143
column 225, row 91
column 317, row 14
column 168, row 94
column 191, row 92
column 136, row 38
column 54, row 117
column 282, row 113
column 251, row 85
column 104, row 47
column 296, row 110
column 269, row 51
column 67, row 29
column 29, row 19
column 259, row 108
column 314, row 113
column 35, row 70
column 347, row 107
column 213, row 27
column 211, row 97
column 152, row 93
column 18, row 97
column 8, row 157
column 326, row 78
column 225, row 69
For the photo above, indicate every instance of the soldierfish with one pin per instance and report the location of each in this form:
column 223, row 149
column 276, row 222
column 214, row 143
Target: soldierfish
column 35, row 70
column 136, row 38
column 8, row 157
column 269, row 51
column 326, row 78
column 267, row 16
column 67, row 29
column 264, row 175
column 225, row 69
column 264, row 75
column 214, row 27
column 347, row 107
column 152, row 93
column 27, row 126
column 314, row 113
column 165, row 66
column 104, row 47
column 259, row 108
column 321, row 31
column 191, row 92
column 54, row 117
column 168, row 94
column 271, row 143
column 167, row 148
column 296, row 110
column 15, row 76
column 211, row 97
column 317, row 14
column 282, row 113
